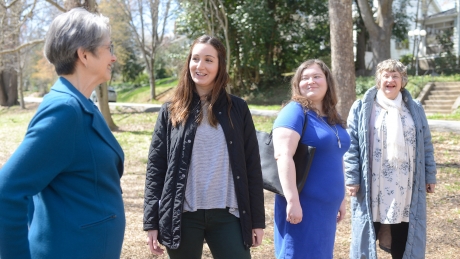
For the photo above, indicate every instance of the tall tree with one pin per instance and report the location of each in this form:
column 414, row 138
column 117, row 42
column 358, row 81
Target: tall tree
column 148, row 25
column 343, row 68
column 379, row 29
column 13, row 16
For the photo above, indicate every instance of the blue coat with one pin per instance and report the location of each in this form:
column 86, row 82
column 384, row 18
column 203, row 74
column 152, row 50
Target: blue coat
column 357, row 171
column 71, row 164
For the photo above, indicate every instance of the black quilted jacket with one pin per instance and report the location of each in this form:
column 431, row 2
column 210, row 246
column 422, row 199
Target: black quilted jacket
column 168, row 163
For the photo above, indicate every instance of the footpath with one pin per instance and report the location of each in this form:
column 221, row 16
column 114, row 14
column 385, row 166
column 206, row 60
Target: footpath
column 435, row 125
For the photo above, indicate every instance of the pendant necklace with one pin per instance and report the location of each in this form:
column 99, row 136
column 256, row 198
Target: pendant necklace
column 336, row 132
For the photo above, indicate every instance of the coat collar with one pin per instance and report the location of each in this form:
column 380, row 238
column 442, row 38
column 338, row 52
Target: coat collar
column 369, row 98
column 370, row 94
column 98, row 122
column 220, row 102
column 64, row 86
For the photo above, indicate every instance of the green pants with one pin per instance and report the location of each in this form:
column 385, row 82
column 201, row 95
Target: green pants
column 220, row 229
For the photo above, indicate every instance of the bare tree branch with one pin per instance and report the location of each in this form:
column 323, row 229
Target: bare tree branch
column 9, row 51
column 28, row 15
column 60, row 8
column 8, row 6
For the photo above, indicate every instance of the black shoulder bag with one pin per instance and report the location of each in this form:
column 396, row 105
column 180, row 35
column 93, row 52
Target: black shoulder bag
column 303, row 158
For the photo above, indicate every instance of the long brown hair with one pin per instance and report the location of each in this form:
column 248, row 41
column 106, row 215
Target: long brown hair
column 182, row 99
column 330, row 99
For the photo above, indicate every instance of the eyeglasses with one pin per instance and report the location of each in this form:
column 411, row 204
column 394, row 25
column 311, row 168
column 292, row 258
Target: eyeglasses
column 111, row 48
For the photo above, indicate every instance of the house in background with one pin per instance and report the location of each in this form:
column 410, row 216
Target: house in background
column 446, row 22
column 433, row 16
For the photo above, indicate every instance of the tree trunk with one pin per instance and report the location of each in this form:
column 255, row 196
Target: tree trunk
column 8, row 88
column 343, row 68
column 20, row 83
column 380, row 48
column 101, row 91
column 152, row 78
column 361, row 50
column 379, row 29
column 103, row 104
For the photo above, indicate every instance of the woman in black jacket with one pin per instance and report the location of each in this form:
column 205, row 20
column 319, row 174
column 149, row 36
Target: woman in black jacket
column 204, row 180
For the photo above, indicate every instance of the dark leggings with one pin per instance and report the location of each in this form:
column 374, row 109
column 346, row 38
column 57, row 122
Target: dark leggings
column 398, row 238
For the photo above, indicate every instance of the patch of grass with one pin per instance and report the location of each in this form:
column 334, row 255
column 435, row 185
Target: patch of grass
column 142, row 94
column 453, row 187
column 449, row 137
column 451, row 117
column 265, row 107
column 263, row 123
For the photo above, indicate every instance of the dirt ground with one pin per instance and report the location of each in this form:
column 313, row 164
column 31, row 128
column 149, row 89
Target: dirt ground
column 443, row 226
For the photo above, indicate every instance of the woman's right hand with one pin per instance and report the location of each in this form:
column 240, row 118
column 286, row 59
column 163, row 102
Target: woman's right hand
column 352, row 190
column 152, row 242
column 294, row 212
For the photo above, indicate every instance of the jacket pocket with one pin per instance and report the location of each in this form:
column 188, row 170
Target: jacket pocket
column 92, row 224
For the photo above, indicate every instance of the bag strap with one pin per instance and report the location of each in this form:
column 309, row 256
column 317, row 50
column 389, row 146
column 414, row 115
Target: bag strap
column 305, row 123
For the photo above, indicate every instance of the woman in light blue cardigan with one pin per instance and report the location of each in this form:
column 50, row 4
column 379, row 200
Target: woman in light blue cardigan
column 69, row 161
column 389, row 167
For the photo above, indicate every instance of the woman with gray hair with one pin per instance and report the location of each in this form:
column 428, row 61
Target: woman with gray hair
column 69, row 161
column 389, row 168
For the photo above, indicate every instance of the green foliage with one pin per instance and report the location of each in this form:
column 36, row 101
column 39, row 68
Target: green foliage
column 406, row 59
column 447, row 64
column 141, row 80
column 363, row 83
column 171, row 57
column 267, row 38
column 401, row 20
column 132, row 68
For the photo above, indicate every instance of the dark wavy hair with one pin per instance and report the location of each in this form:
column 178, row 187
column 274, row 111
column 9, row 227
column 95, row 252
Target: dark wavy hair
column 182, row 98
column 330, row 99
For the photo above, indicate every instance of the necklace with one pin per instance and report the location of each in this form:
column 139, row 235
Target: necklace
column 336, row 132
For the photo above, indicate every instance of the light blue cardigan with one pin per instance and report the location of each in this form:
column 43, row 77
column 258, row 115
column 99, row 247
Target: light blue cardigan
column 357, row 171
column 71, row 163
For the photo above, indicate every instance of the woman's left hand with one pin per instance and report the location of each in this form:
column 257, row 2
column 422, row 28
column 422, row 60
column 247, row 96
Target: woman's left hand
column 430, row 187
column 257, row 237
column 342, row 211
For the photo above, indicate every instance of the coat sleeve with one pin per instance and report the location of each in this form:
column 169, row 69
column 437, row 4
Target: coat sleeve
column 254, row 172
column 156, row 170
column 430, row 164
column 352, row 157
column 46, row 151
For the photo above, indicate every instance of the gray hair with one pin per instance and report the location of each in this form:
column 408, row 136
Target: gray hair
column 77, row 28
column 391, row 65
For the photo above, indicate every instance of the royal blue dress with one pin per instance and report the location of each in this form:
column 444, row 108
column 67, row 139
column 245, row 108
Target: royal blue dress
column 322, row 194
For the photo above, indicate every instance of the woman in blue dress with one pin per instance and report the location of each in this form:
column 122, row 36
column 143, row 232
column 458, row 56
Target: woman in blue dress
column 305, row 222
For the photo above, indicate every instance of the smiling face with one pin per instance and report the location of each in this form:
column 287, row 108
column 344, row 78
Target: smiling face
column 101, row 63
column 313, row 84
column 204, row 65
column 390, row 84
